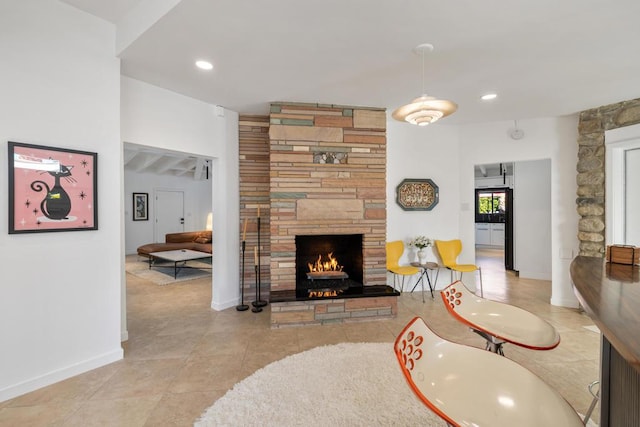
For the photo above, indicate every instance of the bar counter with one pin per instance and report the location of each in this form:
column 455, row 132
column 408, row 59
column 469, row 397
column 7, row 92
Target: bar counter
column 610, row 294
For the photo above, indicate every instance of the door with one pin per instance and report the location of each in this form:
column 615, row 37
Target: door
column 508, row 231
column 169, row 213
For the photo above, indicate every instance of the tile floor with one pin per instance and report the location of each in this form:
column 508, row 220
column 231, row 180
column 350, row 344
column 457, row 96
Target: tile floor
column 181, row 355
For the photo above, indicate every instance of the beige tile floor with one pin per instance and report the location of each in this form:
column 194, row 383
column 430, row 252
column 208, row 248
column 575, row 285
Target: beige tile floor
column 181, row 355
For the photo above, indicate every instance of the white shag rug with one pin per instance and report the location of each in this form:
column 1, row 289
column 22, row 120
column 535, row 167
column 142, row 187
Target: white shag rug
column 163, row 275
column 349, row 384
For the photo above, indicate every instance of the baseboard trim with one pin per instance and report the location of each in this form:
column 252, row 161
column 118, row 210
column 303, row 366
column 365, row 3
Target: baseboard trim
column 564, row 302
column 224, row 306
column 60, row 374
column 536, row 275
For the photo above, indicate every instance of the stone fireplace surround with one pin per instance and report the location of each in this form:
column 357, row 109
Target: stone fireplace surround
column 321, row 170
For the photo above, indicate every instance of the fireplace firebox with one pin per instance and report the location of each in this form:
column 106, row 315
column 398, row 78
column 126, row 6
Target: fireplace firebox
column 328, row 265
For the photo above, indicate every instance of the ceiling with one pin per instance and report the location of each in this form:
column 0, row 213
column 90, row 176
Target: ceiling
column 142, row 159
column 543, row 58
column 492, row 170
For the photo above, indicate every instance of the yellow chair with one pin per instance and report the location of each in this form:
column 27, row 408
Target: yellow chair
column 449, row 251
column 394, row 252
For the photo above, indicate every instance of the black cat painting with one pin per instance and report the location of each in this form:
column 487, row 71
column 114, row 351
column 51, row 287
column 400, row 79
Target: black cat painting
column 57, row 203
column 51, row 189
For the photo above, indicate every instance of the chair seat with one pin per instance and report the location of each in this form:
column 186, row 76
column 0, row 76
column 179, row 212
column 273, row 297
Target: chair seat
column 464, row 268
column 503, row 321
column 468, row 386
column 405, row 270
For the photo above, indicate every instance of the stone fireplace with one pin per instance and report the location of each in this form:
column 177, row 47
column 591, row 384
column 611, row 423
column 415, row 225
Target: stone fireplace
column 327, row 177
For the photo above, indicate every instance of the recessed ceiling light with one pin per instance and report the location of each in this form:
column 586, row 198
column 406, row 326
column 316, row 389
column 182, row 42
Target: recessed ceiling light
column 204, row 65
column 489, row 96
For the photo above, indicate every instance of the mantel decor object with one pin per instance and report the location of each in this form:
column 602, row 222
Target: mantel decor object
column 417, row 194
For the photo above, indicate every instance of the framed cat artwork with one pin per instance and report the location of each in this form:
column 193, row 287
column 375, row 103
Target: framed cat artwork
column 52, row 189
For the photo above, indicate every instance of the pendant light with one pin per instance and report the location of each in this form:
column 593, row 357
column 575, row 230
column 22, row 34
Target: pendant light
column 424, row 109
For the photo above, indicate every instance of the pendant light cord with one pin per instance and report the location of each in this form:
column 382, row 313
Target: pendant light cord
column 423, row 72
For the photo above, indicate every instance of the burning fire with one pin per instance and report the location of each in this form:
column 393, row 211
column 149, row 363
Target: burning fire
column 323, row 294
column 330, row 265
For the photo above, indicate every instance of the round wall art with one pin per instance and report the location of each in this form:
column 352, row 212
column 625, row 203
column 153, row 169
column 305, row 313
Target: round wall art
column 417, row 194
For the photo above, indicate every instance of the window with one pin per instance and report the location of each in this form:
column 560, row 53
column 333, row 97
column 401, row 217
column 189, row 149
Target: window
column 490, row 205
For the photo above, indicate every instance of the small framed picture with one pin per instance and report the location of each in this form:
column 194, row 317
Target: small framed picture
column 52, row 189
column 140, row 206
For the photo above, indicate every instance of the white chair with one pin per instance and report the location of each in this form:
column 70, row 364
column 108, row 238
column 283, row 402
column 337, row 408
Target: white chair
column 497, row 322
column 467, row 386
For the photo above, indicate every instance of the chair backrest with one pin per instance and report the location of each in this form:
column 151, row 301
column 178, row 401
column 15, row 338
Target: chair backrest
column 394, row 252
column 448, row 250
column 467, row 386
column 503, row 321
column 462, row 303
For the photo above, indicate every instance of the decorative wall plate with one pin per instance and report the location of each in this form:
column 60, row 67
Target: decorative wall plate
column 417, row 194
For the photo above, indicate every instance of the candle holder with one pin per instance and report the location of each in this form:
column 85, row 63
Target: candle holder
column 242, row 306
column 257, row 308
column 258, row 303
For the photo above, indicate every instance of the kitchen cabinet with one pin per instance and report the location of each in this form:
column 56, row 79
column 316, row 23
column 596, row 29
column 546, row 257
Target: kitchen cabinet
column 483, row 233
column 490, row 234
column 497, row 234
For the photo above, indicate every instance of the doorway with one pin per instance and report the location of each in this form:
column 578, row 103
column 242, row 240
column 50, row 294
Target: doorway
column 494, row 222
column 494, row 214
column 530, row 224
column 179, row 185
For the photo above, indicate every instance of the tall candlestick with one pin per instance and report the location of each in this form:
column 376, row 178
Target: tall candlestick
column 255, row 255
column 244, row 231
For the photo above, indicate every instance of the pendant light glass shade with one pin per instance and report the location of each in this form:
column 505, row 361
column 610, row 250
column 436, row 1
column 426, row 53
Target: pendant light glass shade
column 424, row 109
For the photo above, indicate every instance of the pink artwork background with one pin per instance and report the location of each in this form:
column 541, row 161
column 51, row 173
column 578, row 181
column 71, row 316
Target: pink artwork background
column 28, row 214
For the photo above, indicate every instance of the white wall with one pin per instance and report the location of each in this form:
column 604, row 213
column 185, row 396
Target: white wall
column 552, row 138
column 159, row 118
column 532, row 219
column 197, row 204
column 423, row 152
column 60, row 292
column 447, row 155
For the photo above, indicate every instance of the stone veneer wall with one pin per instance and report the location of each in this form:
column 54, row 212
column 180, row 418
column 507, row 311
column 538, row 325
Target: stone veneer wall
column 591, row 170
column 254, row 192
column 310, row 198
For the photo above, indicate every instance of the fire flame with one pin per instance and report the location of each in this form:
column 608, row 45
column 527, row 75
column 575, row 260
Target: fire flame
column 323, row 294
column 330, row 265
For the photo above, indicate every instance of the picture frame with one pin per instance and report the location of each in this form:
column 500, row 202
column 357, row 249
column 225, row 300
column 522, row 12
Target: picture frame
column 51, row 189
column 140, row 206
column 417, row 194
